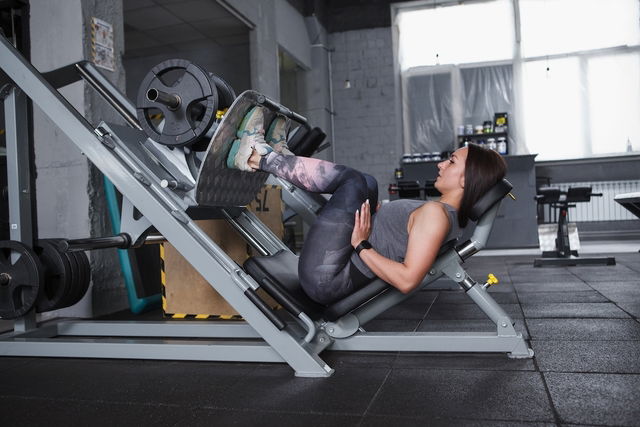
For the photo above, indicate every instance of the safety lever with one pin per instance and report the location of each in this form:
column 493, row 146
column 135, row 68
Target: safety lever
column 491, row 280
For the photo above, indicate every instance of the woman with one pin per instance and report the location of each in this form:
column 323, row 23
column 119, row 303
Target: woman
column 347, row 246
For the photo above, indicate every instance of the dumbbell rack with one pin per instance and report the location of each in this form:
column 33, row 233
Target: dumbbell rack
column 117, row 152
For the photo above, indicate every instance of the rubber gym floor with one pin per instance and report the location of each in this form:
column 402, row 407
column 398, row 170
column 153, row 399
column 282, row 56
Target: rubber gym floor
column 583, row 323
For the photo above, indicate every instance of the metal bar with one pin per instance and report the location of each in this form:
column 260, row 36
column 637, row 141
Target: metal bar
column 273, row 105
column 255, row 232
column 171, row 100
column 109, row 92
column 47, row 331
column 186, row 329
column 19, row 180
column 18, row 170
column 163, row 209
column 121, row 241
column 572, row 261
column 475, row 342
column 489, row 306
column 143, row 349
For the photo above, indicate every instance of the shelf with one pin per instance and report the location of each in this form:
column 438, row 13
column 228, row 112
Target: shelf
column 483, row 135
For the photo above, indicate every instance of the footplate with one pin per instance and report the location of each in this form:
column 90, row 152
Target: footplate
column 218, row 185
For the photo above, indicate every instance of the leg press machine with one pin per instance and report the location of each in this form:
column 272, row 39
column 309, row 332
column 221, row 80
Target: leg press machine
column 156, row 182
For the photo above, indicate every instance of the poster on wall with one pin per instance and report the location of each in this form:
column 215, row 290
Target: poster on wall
column 102, row 44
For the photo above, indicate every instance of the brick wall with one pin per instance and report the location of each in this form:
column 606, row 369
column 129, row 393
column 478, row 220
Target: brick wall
column 365, row 122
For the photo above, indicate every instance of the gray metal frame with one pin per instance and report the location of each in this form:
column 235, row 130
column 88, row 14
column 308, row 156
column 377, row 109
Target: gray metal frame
column 505, row 339
column 139, row 174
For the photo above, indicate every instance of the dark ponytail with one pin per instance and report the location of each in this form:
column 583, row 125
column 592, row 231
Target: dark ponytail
column 483, row 169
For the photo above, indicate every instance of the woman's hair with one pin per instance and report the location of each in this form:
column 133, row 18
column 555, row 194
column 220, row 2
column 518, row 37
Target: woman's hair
column 483, row 169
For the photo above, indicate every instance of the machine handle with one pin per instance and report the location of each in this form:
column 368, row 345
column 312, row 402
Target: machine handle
column 263, row 100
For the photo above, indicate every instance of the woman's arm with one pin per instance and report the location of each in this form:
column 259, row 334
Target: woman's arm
column 430, row 227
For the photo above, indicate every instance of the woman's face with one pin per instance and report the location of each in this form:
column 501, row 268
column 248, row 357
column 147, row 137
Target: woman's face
column 451, row 172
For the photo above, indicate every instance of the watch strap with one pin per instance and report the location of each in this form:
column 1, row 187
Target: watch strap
column 365, row 244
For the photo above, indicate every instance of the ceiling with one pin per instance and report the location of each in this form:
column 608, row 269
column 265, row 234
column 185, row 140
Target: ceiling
column 159, row 26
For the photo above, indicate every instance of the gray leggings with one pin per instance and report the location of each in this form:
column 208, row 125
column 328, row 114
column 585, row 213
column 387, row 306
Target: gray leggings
column 325, row 271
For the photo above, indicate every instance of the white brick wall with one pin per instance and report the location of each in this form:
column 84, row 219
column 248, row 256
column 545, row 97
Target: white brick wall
column 365, row 123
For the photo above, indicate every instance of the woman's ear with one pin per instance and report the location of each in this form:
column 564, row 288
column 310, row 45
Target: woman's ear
column 462, row 181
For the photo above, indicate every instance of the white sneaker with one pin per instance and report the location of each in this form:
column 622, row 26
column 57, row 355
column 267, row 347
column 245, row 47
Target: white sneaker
column 250, row 137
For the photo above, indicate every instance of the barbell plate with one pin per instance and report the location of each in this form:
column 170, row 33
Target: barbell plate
column 57, row 275
column 67, row 301
column 226, row 94
column 21, row 281
column 84, row 277
column 191, row 120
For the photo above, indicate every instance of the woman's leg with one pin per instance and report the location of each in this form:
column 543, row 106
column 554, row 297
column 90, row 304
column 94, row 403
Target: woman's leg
column 372, row 189
column 324, row 267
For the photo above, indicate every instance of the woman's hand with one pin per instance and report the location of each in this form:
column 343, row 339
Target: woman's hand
column 362, row 226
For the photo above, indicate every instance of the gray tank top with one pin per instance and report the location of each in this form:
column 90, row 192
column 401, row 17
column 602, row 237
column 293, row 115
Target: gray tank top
column 389, row 235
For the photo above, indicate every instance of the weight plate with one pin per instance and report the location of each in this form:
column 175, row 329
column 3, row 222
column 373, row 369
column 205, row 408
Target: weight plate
column 197, row 102
column 21, row 277
column 68, row 298
column 84, row 277
column 226, row 95
column 57, row 275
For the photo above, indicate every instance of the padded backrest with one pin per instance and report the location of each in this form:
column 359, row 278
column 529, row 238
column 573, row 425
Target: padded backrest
column 490, row 198
column 578, row 194
column 309, row 143
column 548, row 195
column 295, row 136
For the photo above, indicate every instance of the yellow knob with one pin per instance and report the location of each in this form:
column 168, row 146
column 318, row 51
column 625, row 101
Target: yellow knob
column 492, row 280
column 221, row 113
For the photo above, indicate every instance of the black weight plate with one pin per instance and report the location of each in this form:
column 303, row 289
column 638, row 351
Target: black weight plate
column 84, row 277
column 74, row 282
column 226, row 95
column 84, row 286
column 198, row 103
column 20, row 280
column 57, row 275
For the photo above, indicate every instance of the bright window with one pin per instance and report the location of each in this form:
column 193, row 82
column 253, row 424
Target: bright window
column 457, row 34
column 614, row 102
column 573, row 80
column 553, row 108
column 551, row 27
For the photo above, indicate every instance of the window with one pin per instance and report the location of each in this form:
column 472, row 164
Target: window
column 457, row 34
column 614, row 102
column 553, row 117
column 575, row 73
column 552, row 27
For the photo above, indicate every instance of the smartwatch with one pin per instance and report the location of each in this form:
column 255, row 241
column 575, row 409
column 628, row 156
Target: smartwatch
column 363, row 245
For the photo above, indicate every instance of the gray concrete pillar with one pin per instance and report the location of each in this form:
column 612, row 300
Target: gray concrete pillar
column 70, row 199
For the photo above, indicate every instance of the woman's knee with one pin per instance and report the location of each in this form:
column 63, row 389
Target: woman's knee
column 372, row 183
column 357, row 179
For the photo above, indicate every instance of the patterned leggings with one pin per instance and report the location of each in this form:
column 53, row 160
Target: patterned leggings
column 325, row 271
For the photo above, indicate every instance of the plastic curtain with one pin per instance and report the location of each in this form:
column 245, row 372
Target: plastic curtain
column 436, row 103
